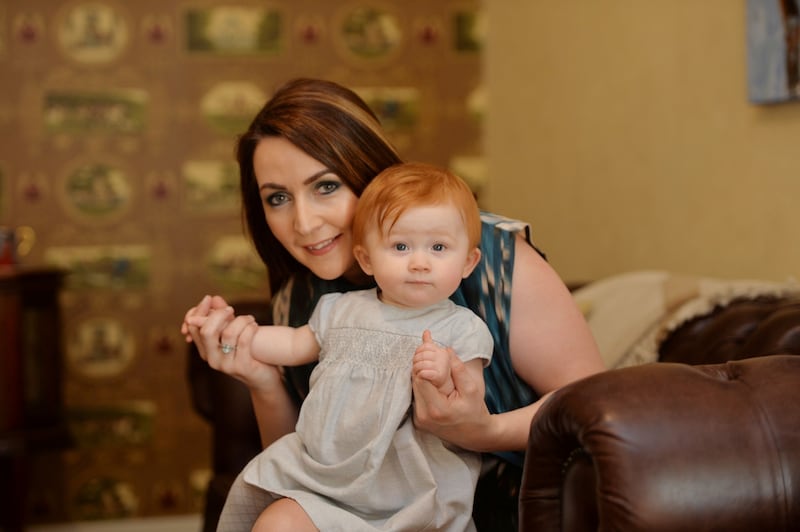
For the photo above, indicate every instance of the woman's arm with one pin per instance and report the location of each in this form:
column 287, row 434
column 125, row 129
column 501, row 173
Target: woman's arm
column 275, row 411
column 551, row 345
column 463, row 419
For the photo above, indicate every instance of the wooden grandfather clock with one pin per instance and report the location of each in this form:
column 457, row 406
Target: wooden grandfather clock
column 31, row 384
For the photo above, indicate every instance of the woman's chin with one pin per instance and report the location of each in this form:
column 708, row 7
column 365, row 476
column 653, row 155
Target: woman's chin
column 329, row 272
column 326, row 275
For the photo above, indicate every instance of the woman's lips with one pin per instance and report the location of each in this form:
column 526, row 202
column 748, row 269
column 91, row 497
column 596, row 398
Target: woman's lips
column 320, row 248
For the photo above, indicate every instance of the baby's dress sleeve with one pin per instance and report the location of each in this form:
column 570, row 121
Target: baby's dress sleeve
column 321, row 317
column 473, row 340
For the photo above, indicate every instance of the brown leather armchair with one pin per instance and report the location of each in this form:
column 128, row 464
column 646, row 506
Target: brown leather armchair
column 673, row 446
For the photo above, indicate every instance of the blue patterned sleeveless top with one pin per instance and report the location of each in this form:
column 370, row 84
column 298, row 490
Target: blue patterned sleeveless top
column 487, row 292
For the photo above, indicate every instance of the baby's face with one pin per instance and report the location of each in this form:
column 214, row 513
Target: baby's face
column 423, row 257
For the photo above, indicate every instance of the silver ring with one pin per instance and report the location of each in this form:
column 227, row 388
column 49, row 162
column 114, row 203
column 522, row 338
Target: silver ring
column 227, row 349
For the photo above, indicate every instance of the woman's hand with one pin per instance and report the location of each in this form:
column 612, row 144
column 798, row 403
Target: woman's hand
column 210, row 325
column 461, row 417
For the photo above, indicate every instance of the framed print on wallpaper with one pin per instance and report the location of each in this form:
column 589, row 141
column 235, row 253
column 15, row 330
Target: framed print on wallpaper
column 773, row 50
column 369, row 33
column 396, row 107
column 229, row 106
column 103, row 267
column 211, row 186
column 233, row 30
column 469, row 30
column 233, row 263
column 92, row 33
column 95, row 111
column 97, row 192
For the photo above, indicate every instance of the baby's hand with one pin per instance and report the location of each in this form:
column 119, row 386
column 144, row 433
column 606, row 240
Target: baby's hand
column 203, row 309
column 432, row 363
column 195, row 321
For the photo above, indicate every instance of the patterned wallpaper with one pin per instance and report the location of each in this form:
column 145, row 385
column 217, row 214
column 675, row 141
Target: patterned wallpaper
column 118, row 121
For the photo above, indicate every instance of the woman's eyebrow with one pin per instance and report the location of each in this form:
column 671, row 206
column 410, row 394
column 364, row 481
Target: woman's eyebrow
column 306, row 181
column 317, row 175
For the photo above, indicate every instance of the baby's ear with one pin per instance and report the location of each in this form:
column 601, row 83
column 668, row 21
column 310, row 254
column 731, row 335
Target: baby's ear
column 361, row 255
column 472, row 260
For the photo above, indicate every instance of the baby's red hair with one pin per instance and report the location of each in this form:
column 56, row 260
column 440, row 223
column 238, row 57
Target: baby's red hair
column 408, row 185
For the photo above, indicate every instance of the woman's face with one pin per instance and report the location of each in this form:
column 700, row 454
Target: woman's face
column 308, row 208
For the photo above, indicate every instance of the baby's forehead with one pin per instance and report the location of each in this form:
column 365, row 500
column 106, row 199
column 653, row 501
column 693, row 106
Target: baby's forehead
column 439, row 219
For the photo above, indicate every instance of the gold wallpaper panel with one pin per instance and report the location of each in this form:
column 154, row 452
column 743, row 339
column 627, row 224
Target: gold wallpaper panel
column 118, row 121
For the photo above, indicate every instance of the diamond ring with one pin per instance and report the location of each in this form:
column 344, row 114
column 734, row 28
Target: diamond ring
column 227, row 349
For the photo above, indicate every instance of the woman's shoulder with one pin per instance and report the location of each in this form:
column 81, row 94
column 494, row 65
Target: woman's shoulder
column 501, row 230
column 504, row 223
column 500, row 234
column 487, row 290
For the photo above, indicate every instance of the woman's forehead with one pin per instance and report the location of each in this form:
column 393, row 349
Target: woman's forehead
column 278, row 161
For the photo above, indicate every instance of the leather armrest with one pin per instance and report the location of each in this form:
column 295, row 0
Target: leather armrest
column 743, row 328
column 668, row 447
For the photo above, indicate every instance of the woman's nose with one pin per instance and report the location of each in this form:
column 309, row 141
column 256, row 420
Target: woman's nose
column 306, row 218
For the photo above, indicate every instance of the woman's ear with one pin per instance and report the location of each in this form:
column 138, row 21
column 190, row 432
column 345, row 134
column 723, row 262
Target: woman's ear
column 472, row 260
column 361, row 255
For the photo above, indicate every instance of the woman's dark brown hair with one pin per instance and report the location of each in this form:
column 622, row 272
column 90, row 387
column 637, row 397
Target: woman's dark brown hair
column 331, row 124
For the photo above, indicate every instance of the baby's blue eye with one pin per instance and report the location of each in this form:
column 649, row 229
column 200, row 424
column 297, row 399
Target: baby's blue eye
column 400, row 247
column 438, row 247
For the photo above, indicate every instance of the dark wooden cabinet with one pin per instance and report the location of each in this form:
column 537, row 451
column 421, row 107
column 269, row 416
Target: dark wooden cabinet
column 31, row 383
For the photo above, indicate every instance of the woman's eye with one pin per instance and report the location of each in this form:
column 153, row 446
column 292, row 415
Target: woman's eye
column 327, row 187
column 274, row 200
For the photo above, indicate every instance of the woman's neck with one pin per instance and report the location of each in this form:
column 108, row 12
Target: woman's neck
column 356, row 276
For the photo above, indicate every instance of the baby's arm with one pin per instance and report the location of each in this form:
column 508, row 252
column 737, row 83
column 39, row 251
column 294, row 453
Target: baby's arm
column 277, row 345
column 284, row 346
column 432, row 363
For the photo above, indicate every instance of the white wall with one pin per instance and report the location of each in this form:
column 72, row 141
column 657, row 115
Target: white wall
column 621, row 130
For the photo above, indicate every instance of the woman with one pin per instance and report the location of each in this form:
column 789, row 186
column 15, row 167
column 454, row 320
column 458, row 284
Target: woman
column 304, row 162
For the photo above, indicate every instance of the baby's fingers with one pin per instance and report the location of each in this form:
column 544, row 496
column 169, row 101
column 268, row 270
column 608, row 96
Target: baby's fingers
column 195, row 321
column 424, row 352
